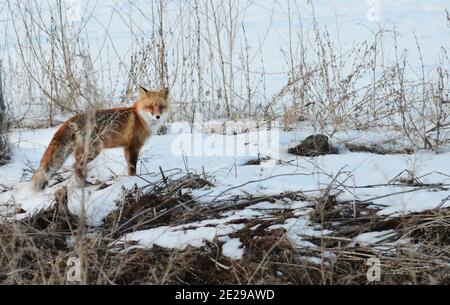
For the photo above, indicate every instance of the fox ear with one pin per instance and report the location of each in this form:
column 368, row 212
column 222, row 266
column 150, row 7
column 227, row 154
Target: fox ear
column 142, row 91
column 164, row 92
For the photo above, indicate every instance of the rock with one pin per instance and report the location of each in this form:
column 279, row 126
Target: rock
column 257, row 161
column 314, row 145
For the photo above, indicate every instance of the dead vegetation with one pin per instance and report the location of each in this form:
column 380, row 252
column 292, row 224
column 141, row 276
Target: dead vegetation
column 319, row 144
column 223, row 74
column 4, row 143
column 414, row 250
column 324, row 88
column 378, row 149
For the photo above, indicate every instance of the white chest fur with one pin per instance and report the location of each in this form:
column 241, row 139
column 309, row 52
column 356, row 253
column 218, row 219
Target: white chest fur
column 152, row 123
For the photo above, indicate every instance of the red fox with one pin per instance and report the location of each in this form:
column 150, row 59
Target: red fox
column 90, row 132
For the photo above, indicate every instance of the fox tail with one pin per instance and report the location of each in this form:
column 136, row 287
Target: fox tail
column 60, row 147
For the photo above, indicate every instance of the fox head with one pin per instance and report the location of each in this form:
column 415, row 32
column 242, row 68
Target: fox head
column 152, row 105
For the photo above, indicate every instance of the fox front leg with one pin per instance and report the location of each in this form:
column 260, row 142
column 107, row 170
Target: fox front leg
column 132, row 155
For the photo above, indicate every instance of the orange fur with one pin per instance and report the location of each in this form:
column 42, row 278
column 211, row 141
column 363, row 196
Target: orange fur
column 87, row 134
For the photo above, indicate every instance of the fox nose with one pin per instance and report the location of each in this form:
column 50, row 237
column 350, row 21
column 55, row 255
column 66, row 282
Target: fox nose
column 158, row 117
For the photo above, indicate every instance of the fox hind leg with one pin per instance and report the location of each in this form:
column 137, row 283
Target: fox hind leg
column 80, row 165
column 39, row 180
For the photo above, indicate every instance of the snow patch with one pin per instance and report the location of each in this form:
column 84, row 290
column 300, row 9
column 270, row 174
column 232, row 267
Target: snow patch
column 178, row 237
column 233, row 249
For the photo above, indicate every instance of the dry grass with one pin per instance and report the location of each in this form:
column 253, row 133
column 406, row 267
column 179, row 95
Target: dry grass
column 221, row 75
column 331, row 90
column 377, row 149
column 35, row 250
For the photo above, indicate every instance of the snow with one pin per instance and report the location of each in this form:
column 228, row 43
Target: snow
column 297, row 228
column 178, row 237
column 364, row 177
column 370, row 238
column 233, row 249
column 212, row 148
column 97, row 204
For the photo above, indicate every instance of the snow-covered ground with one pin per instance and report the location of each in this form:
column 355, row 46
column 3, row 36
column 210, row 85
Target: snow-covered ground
column 364, row 178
